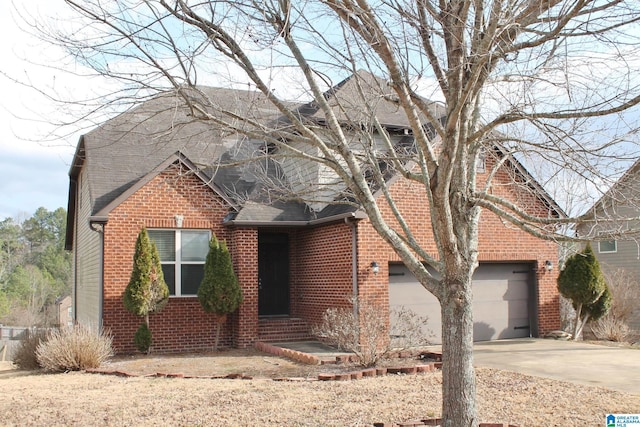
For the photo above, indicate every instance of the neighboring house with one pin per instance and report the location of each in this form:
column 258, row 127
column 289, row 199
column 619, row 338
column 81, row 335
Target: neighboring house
column 64, row 312
column 154, row 167
column 613, row 223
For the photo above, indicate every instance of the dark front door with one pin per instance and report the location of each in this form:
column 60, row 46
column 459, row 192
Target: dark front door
column 273, row 274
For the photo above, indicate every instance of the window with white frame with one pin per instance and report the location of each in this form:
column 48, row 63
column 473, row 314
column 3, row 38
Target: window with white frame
column 182, row 255
column 607, row 246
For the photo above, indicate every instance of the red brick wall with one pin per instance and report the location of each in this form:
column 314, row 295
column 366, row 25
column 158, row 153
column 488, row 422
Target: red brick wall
column 320, row 259
column 244, row 247
column 497, row 242
column 182, row 324
column 323, row 270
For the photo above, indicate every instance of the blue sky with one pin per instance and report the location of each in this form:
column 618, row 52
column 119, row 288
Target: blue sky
column 33, row 166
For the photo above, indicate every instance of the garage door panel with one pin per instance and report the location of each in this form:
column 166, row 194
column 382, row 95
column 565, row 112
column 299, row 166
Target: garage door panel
column 411, row 295
column 517, row 290
column 500, row 307
column 491, row 290
column 518, row 309
column 514, row 330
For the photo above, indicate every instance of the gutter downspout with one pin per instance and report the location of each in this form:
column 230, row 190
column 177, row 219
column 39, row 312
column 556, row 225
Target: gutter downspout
column 74, row 291
column 97, row 224
column 354, row 261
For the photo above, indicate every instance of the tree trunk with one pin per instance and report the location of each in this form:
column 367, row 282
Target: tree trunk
column 146, row 321
column 458, row 374
column 583, row 323
column 576, row 326
column 220, row 319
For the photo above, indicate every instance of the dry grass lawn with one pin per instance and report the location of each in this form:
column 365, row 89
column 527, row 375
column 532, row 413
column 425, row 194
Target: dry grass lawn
column 36, row 399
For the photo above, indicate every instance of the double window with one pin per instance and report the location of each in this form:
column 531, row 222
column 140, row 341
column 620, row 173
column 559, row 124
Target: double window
column 182, row 255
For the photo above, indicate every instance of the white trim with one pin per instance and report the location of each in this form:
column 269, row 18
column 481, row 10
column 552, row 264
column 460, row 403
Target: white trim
column 615, row 247
column 177, row 233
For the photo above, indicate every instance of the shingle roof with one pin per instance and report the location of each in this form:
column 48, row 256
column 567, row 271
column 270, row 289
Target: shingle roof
column 124, row 149
column 121, row 152
column 348, row 97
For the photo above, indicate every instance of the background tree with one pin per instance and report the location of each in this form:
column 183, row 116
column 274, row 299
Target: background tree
column 44, row 228
column 147, row 292
column 219, row 292
column 35, row 269
column 12, row 248
column 582, row 282
column 550, row 84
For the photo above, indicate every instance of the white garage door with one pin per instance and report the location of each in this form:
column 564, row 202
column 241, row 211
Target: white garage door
column 502, row 298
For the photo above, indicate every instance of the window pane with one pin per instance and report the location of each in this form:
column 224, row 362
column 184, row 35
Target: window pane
column 169, row 271
column 607, row 246
column 166, row 243
column 195, row 245
column 192, row 275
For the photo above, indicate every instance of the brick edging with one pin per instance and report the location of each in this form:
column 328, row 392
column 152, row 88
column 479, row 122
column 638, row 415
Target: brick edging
column 357, row 374
column 118, row 373
column 298, row 356
column 315, row 360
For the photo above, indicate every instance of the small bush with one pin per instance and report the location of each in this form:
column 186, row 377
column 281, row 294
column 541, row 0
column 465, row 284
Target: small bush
column 368, row 335
column 610, row 328
column 625, row 291
column 73, row 349
column 143, row 338
column 407, row 329
column 25, row 355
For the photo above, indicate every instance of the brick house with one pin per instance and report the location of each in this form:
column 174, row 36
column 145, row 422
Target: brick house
column 293, row 261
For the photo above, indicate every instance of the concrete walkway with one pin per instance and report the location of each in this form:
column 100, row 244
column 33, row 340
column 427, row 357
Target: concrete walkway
column 323, row 351
column 615, row 368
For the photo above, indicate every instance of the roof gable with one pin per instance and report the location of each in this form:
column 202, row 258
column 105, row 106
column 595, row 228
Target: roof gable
column 626, row 190
column 177, row 158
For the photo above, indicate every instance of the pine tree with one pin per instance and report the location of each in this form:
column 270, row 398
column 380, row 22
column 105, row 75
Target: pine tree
column 219, row 292
column 147, row 292
column 583, row 283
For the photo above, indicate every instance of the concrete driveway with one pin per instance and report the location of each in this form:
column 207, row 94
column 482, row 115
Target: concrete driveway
column 615, row 368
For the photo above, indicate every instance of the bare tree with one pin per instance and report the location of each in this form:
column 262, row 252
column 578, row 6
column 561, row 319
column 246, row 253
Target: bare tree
column 546, row 83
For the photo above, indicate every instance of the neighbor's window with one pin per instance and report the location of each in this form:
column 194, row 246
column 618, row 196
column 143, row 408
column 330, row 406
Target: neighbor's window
column 607, row 246
column 182, row 255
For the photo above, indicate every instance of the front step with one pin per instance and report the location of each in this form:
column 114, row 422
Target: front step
column 280, row 329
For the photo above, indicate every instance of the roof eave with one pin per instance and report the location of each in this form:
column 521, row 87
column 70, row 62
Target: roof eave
column 74, row 173
column 297, row 224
